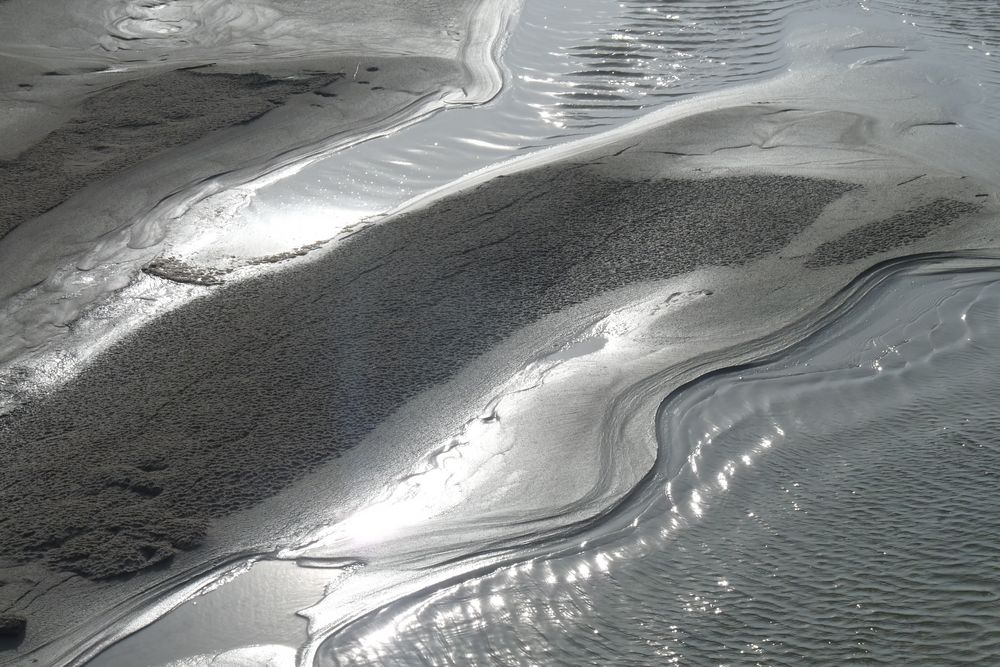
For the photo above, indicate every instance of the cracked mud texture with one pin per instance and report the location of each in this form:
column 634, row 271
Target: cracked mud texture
column 225, row 401
column 884, row 235
column 124, row 124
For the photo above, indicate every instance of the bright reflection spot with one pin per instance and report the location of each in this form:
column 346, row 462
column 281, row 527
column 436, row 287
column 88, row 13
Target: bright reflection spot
column 231, row 226
column 377, row 522
column 481, row 143
column 377, row 639
column 441, row 481
column 696, row 503
column 602, row 562
column 723, row 482
column 553, row 118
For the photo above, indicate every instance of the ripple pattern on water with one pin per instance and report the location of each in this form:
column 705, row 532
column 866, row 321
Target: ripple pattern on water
column 573, row 70
column 650, row 52
column 966, row 30
column 839, row 502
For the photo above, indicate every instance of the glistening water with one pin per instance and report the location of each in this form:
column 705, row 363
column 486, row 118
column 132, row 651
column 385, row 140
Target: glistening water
column 839, row 502
column 571, row 70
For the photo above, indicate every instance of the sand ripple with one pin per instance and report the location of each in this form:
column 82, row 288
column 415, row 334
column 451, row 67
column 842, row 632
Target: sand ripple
column 601, row 62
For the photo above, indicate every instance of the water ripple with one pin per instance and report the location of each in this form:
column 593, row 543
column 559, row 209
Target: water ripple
column 837, row 502
column 649, row 52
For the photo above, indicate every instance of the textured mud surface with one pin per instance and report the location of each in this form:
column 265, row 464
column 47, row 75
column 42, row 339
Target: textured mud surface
column 883, row 235
column 117, row 127
column 236, row 403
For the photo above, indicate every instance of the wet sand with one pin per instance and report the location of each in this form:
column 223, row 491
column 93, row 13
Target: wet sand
column 232, row 398
column 92, row 88
column 128, row 130
column 805, row 506
column 93, row 142
column 118, row 127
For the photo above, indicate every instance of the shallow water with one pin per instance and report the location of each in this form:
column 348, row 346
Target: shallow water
column 839, row 502
column 571, row 70
column 575, row 69
column 967, row 30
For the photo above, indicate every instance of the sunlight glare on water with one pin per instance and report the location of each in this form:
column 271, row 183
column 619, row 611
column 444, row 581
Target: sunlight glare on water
column 838, row 500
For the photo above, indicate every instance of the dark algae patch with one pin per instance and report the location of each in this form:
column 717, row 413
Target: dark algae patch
column 12, row 627
column 171, row 268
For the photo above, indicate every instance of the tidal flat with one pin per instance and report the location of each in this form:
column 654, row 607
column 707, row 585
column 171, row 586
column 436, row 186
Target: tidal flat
column 469, row 352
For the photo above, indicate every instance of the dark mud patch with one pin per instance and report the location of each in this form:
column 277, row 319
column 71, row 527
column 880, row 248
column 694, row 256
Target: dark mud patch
column 893, row 232
column 122, row 125
column 238, row 394
column 171, row 268
column 12, row 629
column 180, row 271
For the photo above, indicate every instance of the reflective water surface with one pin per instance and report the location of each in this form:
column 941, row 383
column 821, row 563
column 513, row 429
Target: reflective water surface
column 572, row 69
column 839, row 502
